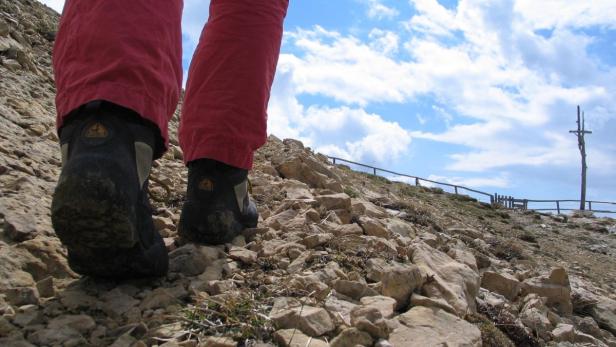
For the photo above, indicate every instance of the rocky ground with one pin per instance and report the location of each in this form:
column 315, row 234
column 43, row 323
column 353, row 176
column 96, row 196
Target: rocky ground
column 339, row 258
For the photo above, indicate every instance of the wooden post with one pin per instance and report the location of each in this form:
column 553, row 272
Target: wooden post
column 580, row 132
column 558, row 206
column 590, row 205
column 456, row 189
column 334, row 159
column 417, row 181
column 374, row 170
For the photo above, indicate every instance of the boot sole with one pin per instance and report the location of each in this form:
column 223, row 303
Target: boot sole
column 90, row 212
column 209, row 226
column 98, row 225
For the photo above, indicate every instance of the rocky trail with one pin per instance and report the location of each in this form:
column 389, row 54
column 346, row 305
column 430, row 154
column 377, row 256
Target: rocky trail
column 339, row 258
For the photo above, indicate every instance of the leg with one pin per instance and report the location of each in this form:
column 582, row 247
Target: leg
column 118, row 74
column 224, row 115
column 125, row 52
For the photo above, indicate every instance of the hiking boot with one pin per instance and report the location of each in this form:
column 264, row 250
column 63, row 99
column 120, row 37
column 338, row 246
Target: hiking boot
column 100, row 208
column 217, row 206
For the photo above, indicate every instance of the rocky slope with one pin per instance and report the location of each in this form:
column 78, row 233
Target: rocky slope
column 339, row 258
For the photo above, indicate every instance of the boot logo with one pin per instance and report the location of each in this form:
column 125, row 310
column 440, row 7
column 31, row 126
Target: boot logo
column 96, row 131
column 206, row 184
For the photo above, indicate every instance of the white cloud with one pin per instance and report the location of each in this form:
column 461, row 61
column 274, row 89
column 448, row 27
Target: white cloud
column 501, row 181
column 376, row 9
column 349, row 133
column 384, row 41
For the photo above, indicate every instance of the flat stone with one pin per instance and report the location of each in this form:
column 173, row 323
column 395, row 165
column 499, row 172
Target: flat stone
column 188, row 260
column 46, row 288
column 503, row 284
column 313, row 321
column 315, row 240
column 449, row 279
column 370, row 320
column 373, row 227
column 340, row 310
column 352, row 337
column 334, row 201
column 242, row 254
column 384, row 304
column 295, row 338
column 399, row 282
column 22, row 296
column 434, row 327
column 420, row 300
column 353, row 289
column 563, row 332
column 158, row 298
column 219, row 342
column 81, row 323
column 604, row 313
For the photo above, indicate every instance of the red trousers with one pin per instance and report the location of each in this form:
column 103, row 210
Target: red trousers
column 130, row 53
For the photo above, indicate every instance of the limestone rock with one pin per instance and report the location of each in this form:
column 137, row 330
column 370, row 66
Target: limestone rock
column 353, row 289
column 563, row 332
column 335, row 201
column 340, row 310
column 555, row 288
column 448, row 279
column 420, row 300
column 219, row 342
column 81, row 323
column 503, row 284
column 158, row 298
column 242, row 254
column 295, row 338
column 370, row 320
column 315, row 240
column 434, row 327
column 399, row 282
column 384, row 304
column 373, row 227
column 188, row 260
column 604, row 312
column 23, row 296
column 46, row 288
column 289, row 313
column 352, row 337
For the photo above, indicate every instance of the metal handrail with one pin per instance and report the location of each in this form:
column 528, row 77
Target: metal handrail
column 494, row 198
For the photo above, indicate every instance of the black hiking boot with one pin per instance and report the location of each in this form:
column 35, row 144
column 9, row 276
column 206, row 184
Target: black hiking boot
column 100, row 208
column 217, row 206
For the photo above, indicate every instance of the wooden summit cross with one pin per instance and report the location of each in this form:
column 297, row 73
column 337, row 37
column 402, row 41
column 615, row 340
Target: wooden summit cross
column 580, row 132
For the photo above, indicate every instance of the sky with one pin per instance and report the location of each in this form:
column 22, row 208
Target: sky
column 472, row 92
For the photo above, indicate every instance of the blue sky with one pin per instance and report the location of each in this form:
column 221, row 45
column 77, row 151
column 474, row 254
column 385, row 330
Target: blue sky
column 479, row 93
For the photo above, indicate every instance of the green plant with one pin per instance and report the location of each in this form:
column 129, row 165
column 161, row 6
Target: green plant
column 351, row 192
column 242, row 317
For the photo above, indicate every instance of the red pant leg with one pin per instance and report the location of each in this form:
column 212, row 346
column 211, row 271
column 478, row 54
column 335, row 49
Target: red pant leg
column 125, row 52
column 224, row 113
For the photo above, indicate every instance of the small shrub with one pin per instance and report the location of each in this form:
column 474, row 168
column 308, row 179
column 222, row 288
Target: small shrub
column 490, row 335
column 351, row 192
column 508, row 250
column 528, row 237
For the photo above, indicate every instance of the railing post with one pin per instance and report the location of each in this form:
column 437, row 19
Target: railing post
column 334, row 159
column 525, row 204
column 374, row 170
column 417, row 181
column 456, row 189
column 590, row 206
column 558, row 206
